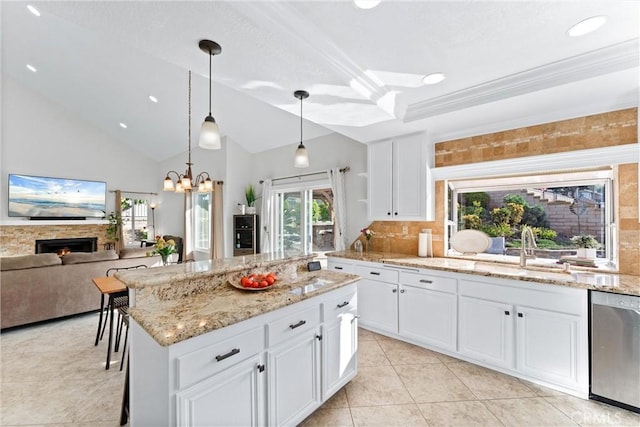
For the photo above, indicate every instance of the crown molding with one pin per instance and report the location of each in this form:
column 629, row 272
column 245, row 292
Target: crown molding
column 607, row 60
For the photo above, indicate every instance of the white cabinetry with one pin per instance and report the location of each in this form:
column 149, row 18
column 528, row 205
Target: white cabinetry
column 535, row 331
column 428, row 310
column 398, row 175
column 539, row 331
column 378, row 298
column 485, row 331
column 234, row 397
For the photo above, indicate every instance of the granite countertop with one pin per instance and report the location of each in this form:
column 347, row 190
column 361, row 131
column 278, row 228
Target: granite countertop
column 175, row 303
column 577, row 278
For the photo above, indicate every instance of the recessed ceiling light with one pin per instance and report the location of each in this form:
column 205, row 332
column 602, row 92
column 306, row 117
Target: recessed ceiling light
column 153, row 98
column 33, row 10
column 366, row 4
column 587, row 26
column 123, row 126
column 31, row 68
column 433, row 78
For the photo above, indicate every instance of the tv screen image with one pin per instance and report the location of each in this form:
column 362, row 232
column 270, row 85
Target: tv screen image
column 43, row 197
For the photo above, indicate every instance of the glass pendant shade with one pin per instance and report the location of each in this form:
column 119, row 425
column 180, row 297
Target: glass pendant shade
column 179, row 188
column 208, row 184
column 168, row 185
column 186, row 183
column 201, row 187
column 209, row 134
column 302, row 157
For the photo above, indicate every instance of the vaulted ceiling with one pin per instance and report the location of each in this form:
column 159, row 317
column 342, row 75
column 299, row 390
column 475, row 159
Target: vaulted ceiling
column 507, row 64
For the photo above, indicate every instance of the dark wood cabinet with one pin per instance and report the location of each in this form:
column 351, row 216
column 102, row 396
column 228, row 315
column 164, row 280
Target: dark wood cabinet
column 246, row 235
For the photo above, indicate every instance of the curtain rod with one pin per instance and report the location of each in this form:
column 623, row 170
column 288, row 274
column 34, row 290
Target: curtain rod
column 343, row 170
column 133, row 192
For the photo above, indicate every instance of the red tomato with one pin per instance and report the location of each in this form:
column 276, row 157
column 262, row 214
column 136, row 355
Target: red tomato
column 264, row 284
column 254, row 285
column 270, row 280
column 245, row 281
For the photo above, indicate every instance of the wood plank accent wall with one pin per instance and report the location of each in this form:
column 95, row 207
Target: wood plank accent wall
column 596, row 131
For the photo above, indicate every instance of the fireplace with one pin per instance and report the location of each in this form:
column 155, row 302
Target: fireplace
column 63, row 246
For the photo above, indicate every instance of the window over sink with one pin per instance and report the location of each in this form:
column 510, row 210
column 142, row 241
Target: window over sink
column 559, row 207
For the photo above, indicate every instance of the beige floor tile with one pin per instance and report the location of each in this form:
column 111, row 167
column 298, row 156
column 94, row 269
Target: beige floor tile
column 433, row 383
column 376, row 385
column 542, row 391
column 366, row 335
column 402, row 353
column 329, row 417
column 466, row 413
column 392, row 415
column 533, row 411
column 446, row 359
column 592, row 413
column 338, row 400
column 370, row 354
column 488, row 384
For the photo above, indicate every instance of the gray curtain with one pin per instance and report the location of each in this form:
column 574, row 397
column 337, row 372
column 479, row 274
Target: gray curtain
column 336, row 178
column 265, row 211
column 217, row 222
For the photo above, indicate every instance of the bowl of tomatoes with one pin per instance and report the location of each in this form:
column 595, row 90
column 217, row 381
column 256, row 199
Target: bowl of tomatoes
column 254, row 282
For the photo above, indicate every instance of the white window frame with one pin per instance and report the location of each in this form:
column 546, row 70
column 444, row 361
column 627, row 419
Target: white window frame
column 566, row 179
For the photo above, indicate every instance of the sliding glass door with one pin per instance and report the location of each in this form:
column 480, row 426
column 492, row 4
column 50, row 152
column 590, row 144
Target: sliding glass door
column 303, row 219
column 293, row 227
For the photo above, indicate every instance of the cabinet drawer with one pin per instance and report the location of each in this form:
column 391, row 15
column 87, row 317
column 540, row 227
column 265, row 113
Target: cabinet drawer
column 200, row 364
column 293, row 324
column 341, row 267
column 426, row 281
column 338, row 305
column 380, row 274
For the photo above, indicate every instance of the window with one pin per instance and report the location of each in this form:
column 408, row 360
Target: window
column 134, row 221
column 557, row 207
column 202, row 221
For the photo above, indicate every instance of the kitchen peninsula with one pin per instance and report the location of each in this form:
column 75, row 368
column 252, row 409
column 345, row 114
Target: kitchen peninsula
column 206, row 353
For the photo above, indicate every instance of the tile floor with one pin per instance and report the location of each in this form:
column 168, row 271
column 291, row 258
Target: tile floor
column 53, row 375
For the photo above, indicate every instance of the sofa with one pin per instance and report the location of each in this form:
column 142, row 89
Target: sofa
column 34, row 288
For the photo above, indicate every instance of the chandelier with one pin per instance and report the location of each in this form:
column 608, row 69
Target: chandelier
column 186, row 182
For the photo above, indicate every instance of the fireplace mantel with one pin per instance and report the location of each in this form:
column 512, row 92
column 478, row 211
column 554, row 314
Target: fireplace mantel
column 27, row 222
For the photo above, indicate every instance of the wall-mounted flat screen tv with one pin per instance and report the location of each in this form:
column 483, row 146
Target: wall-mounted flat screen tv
column 41, row 197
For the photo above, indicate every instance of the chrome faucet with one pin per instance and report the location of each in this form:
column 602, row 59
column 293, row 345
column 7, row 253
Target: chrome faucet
column 528, row 243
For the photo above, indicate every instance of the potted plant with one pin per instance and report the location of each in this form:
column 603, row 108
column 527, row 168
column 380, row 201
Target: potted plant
column 587, row 245
column 250, row 195
column 115, row 221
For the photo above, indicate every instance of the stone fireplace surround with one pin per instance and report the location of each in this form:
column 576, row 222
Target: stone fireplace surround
column 21, row 239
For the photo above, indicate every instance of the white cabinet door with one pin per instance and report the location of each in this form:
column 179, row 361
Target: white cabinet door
column 339, row 266
column 378, row 305
column 234, row 397
column 428, row 316
column 339, row 347
column 548, row 345
column 409, row 178
column 486, row 330
column 293, row 370
column 380, row 177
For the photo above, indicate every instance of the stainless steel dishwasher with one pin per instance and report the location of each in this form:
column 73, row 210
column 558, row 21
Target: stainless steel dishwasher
column 615, row 349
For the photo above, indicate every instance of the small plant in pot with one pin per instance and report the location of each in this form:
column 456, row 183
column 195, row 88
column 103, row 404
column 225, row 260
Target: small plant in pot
column 587, row 245
column 250, row 196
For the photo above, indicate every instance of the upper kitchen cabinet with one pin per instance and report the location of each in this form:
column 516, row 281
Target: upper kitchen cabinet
column 398, row 180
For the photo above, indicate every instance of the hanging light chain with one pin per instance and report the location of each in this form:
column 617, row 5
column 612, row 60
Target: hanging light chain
column 301, row 119
column 210, row 57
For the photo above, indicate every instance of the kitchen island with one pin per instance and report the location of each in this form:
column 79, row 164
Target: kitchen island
column 206, row 353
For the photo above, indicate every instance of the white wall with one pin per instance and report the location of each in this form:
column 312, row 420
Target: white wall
column 40, row 137
column 324, row 153
column 239, row 175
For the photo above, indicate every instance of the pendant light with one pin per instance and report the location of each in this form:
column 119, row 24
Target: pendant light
column 184, row 182
column 302, row 157
column 209, row 132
